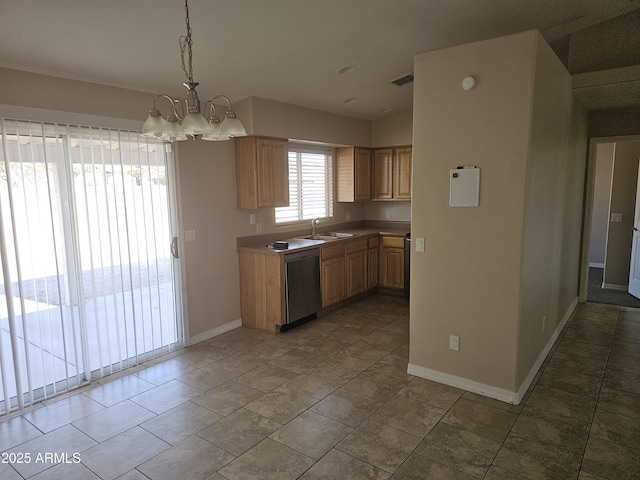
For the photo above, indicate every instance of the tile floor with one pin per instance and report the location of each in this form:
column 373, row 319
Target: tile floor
column 332, row 400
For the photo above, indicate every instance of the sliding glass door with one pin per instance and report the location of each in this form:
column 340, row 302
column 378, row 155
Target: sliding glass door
column 88, row 283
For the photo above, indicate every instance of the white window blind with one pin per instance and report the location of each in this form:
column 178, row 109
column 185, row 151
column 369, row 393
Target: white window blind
column 310, row 186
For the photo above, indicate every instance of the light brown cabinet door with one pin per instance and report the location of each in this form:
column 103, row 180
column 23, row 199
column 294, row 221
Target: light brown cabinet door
column 383, row 174
column 372, row 267
column 353, row 174
column 402, row 173
column 333, row 280
column 273, row 172
column 392, row 271
column 356, row 272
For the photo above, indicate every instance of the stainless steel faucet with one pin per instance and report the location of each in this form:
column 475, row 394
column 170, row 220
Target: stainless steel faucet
column 314, row 223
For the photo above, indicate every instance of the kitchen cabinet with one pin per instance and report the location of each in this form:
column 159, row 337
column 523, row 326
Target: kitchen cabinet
column 392, row 262
column 373, row 252
column 262, row 283
column 353, row 174
column 262, row 172
column 392, row 173
column 332, row 273
column 356, row 266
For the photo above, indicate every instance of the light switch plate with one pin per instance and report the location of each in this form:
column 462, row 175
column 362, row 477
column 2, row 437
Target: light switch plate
column 189, row 235
column 616, row 217
column 420, row 245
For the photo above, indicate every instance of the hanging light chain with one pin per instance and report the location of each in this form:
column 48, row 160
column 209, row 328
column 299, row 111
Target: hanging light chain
column 186, row 44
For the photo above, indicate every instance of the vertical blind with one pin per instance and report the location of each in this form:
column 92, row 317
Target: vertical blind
column 310, row 186
column 86, row 285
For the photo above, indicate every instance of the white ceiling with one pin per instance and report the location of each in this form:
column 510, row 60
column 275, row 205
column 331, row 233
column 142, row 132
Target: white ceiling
column 284, row 50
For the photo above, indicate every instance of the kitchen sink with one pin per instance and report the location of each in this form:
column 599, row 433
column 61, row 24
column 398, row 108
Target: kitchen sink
column 328, row 236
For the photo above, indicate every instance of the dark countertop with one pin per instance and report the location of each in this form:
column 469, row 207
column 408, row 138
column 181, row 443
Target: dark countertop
column 297, row 244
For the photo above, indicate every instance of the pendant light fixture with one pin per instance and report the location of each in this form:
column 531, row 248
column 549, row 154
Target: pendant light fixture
column 189, row 121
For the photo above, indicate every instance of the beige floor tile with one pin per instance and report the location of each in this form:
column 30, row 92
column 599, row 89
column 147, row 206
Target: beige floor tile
column 394, row 365
column 611, row 460
column 228, row 397
column 239, row 431
column 433, row 393
column 617, row 401
column 571, row 381
column 317, row 385
column 562, row 402
column 418, row 467
column 133, row 475
column 379, row 445
column 7, row 472
column 246, row 360
column 338, row 465
column 181, row 422
column 368, row 351
column 281, row 405
column 234, row 343
column 193, row 458
column 625, row 363
column 131, row 448
column 537, row 460
column 578, row 363
column 584, row 349
column 165, row 371
column 266, row 377
column 617, row 428
column 346, row 407
column 408, row 415
column 120, row 389
column 297, row 360
column 202, row 356
column 459, row 449
column 209, row 376
column 387, row 339
column 497, row 473
column 324, row 346
column 311, row 434
column 347, row 334
column 481, row 419
column 342, row 366
column 375, row 385
column 68, row 471
column 15, row 431
column 113, row 420
column 65, row 442
column 549, row 428
column 269, row 460
column 621, row 380
column 57, row 414
column 492, row 402
column 166, row 396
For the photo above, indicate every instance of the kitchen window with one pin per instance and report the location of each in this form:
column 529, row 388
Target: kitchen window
column 310, row 186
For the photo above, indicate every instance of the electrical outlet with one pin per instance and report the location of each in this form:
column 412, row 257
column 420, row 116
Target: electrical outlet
column 252, row 219
column 454, row 342
column 258, row 227
column 387, row 214
column 348, row 216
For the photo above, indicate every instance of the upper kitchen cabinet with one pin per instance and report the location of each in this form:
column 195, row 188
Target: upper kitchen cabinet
column 392, row 173
column 262, row 172
column 354, row 174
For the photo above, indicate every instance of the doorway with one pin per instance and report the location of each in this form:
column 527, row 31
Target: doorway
column 609, row 219
column 88, row 286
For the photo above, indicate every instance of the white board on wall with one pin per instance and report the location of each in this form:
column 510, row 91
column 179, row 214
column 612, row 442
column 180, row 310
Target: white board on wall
column 464, row 188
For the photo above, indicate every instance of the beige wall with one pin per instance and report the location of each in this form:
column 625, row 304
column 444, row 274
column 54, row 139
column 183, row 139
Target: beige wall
column 471, row 280
column 394, row 130
column 206, row 172
column 601, row 195
column 623, row 197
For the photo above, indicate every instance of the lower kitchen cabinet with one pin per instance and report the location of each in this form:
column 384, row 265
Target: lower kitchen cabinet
column 332, row 273
column 356, row 267
column 392, row 262
column 373, row 264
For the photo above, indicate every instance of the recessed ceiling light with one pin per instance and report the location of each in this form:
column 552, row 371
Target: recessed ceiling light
column 347, row 70
column 351, row 100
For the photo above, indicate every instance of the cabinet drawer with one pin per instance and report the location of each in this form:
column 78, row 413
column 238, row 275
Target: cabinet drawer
column 333, row 251
column 356, row 245
column 374, row 242
column 395, row 242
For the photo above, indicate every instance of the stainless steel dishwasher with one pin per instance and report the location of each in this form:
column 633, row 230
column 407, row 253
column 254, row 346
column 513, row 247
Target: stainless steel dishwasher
column 302, row 285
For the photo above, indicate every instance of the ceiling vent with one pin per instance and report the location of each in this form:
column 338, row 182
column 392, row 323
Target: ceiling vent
column 403, row 80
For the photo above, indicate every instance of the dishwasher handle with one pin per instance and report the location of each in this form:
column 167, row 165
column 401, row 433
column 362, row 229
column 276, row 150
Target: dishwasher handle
column 294, row 257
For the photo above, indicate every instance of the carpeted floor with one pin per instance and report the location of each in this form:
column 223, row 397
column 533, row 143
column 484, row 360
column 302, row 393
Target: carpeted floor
column 604, row 295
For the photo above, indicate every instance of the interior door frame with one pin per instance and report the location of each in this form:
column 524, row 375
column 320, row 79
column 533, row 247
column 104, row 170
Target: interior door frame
column 588, row 207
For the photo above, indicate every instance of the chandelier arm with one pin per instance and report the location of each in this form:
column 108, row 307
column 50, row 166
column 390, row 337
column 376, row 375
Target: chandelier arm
column 224, row 97
column 173, row 105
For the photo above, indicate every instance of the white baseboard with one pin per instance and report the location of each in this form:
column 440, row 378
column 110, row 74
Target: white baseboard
column 611, row 286
column 596, row 265
column 489, row 390
column 214, row 332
